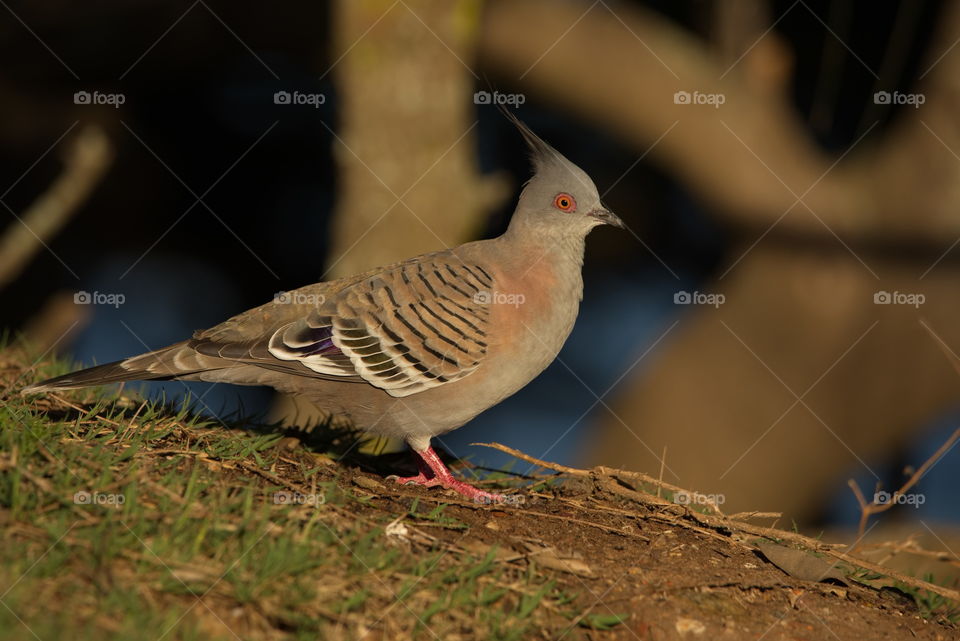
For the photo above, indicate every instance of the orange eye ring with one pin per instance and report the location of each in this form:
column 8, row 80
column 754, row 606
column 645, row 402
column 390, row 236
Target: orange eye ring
column 565, row 202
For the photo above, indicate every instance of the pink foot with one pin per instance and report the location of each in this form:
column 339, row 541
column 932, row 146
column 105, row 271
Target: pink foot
column 433, row 472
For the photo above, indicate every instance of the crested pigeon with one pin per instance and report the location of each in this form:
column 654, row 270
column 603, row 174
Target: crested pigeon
column 414, row 349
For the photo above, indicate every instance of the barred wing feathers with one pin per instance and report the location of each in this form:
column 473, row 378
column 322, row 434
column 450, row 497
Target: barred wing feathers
column 411, row 327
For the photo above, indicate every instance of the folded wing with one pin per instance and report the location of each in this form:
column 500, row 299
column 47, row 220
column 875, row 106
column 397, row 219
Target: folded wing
column 410, row 327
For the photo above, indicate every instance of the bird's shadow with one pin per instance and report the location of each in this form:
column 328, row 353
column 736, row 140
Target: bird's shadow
column 346, row 444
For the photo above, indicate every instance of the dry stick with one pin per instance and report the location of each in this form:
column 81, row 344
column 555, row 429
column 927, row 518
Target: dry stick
column 714, row 522
column 911, row 546
column 273, row 478
column 599, row 526
column 739, row 516
column 726, row 523
column 81, row 409
column 954, row 360
column 535, row 461
column 894, row 550
column 133, row 419
column 496, row 507
column 826, row 548
column 867, row 509
column 87, row 160
column 600, row 471
column 663, row 463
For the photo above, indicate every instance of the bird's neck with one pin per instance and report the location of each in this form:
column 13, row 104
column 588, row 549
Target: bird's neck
column 545, row 268
column 531, row 243
column 546, row 255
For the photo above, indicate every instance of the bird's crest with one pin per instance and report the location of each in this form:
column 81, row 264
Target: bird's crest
column 545, row 159
column 542, row 154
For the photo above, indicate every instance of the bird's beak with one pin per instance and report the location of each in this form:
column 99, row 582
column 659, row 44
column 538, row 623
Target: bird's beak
column 607, row 217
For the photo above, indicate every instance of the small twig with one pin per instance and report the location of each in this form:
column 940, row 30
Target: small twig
column 873, row 507
column 911, row 546
column 610, row 484
column 906, row 579
column 81, row 409
column 599, row 471
column 556, row 467
column 663, row 463
column 133, row 419
column 949, row 353
column 525, row 477
column 273, row 478
column 606, row 477
column 600, row 526
column 739, row 516
column 896, row 549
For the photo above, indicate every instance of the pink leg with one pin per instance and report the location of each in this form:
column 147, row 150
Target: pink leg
column 433, row 472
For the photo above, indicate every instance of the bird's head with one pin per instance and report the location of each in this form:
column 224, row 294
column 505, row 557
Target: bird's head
column 560, row 197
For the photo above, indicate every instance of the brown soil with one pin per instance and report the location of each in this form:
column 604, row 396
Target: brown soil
column 675, row 578
column 612, row 542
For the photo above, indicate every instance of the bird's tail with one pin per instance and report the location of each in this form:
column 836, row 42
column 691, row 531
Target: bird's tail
column 176, row 361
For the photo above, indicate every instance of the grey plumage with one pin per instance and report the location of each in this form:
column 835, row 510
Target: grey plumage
column 417, row 348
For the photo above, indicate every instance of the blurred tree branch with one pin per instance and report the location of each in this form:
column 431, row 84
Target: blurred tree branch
column 799, row 377
column 87, row 160
column 753, row 158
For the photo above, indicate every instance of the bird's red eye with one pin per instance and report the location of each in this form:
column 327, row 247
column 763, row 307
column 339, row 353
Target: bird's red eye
column 565, row 202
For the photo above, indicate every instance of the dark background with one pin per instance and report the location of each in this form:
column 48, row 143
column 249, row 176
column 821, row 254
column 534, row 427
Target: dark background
column 197, row 100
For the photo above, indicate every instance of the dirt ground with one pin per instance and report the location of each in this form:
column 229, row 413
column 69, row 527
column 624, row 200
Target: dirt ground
column 673, row 581
column 628, row 561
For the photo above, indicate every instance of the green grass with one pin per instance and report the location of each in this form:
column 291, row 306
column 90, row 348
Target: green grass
column 932, row 605
column 129, row 520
